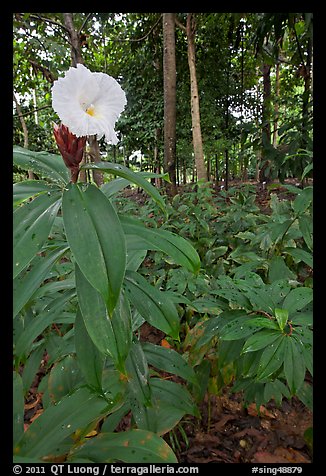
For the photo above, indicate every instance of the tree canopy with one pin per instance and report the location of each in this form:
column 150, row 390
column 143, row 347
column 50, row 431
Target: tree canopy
column 232, row 50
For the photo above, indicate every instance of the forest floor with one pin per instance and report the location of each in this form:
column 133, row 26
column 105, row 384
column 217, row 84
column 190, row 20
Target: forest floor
column 227, row 432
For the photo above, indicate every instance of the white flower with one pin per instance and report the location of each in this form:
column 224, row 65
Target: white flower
column 88, row 103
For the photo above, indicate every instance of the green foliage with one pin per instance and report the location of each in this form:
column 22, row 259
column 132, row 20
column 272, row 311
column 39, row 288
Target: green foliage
column 248, row 312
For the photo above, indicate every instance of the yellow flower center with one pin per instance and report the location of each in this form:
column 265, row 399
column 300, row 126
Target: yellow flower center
column 91, row 110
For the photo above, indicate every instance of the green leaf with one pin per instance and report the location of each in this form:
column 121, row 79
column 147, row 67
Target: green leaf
column 46, row 165
column 271, row 359
column 300, row 255
column 305, row 394
column 152, row 304
column 128, row 174
column 303, row 200
column 307, row 169
column 65, row 376
column 30, row 188
column 278, row 270
column 96, row 239
column 26, row 285
column 45, row 435
column 276, row 390
column 260, row 340
column 133, row 446
column 297, row 299
column 239, row 328
column 137, row 374
column 112, row 336
column 170, row 361
column 305, row 226
column 234, row 296
column 135, row 259
column 18, row 407
column 180, row 250
column 89, row 359
column 31, row 367
column 32, row 224
column 294, row 364
column 282, row 316
column 175, row 394
column 39, row 323
column 114, row 186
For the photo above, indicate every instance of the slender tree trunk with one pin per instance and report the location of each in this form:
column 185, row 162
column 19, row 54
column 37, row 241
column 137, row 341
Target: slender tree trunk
column 184, row 172
column 208, row 169
column 216, row 169
column 169, row 75
column 76, row 56
column 276, row 104
column 156, row 158
column 25, row 130
column 266, row 124
column 95, row 156
column 306, row 95
column 195, row 109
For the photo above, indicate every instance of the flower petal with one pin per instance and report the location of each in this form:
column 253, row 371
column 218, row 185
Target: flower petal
column 81, row 91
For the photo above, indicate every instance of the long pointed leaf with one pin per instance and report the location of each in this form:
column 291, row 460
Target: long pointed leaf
column 133, row 446
column 32, row 224
column 180, row 250
column 294, row 364
column 59, row 421
column 89, row 358
column 112, row 336
column 30, row 188
column 46, row 165
column 96, row 239
column 26, row 285
column 18, row 407
column 152, row 304
column 138, row 373
column 170, row 361
column 128, row 174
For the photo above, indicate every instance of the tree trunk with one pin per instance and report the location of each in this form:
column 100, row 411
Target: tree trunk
column 76, row 56
column 306, row 95
column 226, row 169
column 216, row 169
column 25, row 130
column 95, row 156
column 276, row 104
column 195, row 110
column 266, row 124
column 169, row 80
column 156, row 158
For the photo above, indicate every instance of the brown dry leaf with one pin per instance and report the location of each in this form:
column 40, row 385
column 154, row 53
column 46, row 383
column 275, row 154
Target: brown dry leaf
column 252, row 411
column 291, row 455
column 207, row 439
column 222, row 421
column 91, row 434
column 37, row 414
column 29, row 406
column 265, row 457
